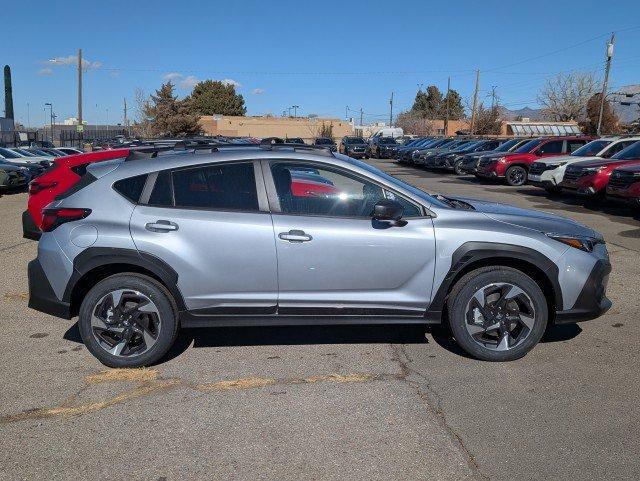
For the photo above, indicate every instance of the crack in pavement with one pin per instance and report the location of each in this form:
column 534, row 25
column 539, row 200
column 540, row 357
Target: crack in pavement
column 149, row 383
column 432, row 401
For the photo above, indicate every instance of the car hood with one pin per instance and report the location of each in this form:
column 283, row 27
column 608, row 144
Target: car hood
column 566, row 158
column 599, row 162
column 531, row 219
column 9, row 167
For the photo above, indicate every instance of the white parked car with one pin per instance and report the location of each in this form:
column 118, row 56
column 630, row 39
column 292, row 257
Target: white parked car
column 548, row 173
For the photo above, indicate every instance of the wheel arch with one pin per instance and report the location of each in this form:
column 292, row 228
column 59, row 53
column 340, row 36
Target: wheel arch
column 474, row 255
column 95, row 264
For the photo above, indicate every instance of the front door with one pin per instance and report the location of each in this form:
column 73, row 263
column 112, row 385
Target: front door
column 207, row 223
column 333, row 258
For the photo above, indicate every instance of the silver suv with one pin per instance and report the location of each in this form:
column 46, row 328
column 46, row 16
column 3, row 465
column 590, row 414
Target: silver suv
column 288, row 234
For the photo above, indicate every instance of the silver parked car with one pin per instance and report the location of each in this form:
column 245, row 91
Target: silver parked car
column 282, row 234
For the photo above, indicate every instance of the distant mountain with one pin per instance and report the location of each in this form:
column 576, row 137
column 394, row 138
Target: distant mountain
column 532, row 114
column 629, row 93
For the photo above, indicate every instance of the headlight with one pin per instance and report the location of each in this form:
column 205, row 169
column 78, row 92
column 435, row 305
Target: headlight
column 555, row 166
column 500, row 159
column 593, row 170
column 584, row 243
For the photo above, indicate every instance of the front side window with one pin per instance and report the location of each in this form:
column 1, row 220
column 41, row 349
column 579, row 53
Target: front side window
column 553, row 147
column 221, row 187
column 617, row 147
column 306, row 189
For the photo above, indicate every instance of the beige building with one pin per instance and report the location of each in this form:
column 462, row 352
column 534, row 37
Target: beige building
column 284, row 127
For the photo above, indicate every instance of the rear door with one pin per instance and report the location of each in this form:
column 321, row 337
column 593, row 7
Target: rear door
column 333, row 258
column 211, row 224
column 550, row 148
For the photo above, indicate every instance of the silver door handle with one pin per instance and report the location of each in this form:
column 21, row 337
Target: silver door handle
column 295, row 236
column 161, row 226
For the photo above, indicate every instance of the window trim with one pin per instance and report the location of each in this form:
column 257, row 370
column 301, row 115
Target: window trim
column 263, row 206
column 274, row 200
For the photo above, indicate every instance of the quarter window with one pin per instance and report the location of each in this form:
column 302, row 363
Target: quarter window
column 307, row 189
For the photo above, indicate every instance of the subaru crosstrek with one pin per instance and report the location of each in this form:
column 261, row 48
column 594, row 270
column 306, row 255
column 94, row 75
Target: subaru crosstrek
column 219, row 238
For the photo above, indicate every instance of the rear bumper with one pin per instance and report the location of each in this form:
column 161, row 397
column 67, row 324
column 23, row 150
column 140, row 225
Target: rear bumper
column 592, row 301
column 41, row 295
column 29, row 228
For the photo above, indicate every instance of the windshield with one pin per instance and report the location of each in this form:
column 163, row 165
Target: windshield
column 353, row 140
column 323, row 141
column 387, row 140
column 7, row 154
column 630, row 153
column 26, row 153
column 591, row 149
column 529, row 146
column 507, row 145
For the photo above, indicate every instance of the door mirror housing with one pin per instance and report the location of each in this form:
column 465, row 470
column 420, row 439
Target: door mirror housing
column 387, row 209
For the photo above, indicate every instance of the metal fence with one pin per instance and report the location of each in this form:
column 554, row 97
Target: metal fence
column 13, row 139
column 70, row 138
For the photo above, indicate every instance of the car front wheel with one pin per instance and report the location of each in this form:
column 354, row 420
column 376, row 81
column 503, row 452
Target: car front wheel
column 128, row 320
column 497, row 313
column 457, row 168
column 516, row 175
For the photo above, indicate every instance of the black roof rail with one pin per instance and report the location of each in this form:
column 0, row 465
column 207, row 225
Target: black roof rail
column 276, row 143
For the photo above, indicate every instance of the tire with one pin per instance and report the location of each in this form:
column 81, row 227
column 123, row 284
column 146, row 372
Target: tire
column 461, row 319
column 166, row 311
column 457, row 168
column 516, row 176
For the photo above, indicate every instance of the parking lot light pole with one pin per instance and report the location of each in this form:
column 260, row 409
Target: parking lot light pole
column 50, row 118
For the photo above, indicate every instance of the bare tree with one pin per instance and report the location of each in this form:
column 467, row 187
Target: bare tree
column 565, row 96
column 413, row 122
column 142, row 126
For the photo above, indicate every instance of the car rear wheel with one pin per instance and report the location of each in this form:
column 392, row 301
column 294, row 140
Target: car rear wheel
column 128, row 320
column 457, row 168
column 516, row 175
column 497, row 313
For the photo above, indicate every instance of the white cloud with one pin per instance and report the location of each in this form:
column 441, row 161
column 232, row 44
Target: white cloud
column 73, row 60
column 189, row 82
column 172, row 76
column 257, row 91
column 230, row 81
column 45, row 72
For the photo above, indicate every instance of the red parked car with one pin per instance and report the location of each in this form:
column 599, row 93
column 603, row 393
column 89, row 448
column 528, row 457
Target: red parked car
column 624, row 184
column 514, row 166
column 590, row 177
column 55, row 181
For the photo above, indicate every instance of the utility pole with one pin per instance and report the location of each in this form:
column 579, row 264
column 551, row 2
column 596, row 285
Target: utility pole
column 493, row 96
column 295, row 110
column 80, row 124
column 346, row 112
column 446, row 117
column 606, row 81
column 391, row 110
column 28, row 119
column 475, row 102
column 360, row 116
column 126, row 121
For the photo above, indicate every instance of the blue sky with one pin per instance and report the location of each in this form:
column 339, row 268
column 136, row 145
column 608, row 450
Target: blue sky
column 321, row 56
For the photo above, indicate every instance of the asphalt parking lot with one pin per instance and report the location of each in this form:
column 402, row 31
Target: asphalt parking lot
column 366, row 402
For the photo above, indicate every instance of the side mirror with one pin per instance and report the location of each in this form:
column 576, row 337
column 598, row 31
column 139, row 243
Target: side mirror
column 387, row 209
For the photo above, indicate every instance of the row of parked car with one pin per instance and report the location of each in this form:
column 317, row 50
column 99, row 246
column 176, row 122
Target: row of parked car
column 582, row 165
column 20, row 165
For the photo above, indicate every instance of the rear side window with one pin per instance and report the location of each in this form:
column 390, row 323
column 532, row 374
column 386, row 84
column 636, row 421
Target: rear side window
column 231, row 186
column 574, row 145
column 224, row 187
column 131, row 188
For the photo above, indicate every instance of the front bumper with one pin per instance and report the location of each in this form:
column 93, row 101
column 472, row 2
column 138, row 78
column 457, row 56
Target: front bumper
column 29, row 228
column 41, row 295
column 592, row 301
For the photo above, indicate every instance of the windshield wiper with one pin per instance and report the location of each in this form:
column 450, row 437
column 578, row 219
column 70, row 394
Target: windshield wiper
column 455, row 203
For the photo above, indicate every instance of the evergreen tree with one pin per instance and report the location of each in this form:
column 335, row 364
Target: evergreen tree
column 169, row 116
column 610, row 121
column 456, row 110
column 428, row 104
column 212, row 97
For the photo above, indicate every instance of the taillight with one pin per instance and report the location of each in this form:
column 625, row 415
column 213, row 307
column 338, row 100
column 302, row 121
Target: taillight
column 52, row 218
column 36, row 186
